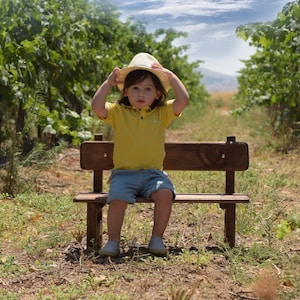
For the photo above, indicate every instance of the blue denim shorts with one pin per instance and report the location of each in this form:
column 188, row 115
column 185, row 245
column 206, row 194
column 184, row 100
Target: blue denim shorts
column 128, row 184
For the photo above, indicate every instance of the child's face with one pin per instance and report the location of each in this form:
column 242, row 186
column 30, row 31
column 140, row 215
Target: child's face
column 142, row 94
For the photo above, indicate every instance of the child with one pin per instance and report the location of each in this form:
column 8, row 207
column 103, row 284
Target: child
column 139, row 120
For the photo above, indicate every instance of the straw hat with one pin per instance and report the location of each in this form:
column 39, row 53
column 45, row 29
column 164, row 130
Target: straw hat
column 143, row 61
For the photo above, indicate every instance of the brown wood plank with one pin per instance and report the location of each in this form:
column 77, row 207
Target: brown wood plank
column 94, row 225
column 234, row 156
column 180, row 198
column 86, row 197
column 206, row 156
column 96, row 155
column 211, row 198
column 229, row 223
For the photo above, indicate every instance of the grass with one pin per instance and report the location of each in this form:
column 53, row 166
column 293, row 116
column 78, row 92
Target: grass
column 38, row 230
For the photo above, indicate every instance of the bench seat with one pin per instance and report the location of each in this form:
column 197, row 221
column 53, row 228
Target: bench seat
column 91, row 197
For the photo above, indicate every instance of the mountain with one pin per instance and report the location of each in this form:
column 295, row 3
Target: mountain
column 218, row 82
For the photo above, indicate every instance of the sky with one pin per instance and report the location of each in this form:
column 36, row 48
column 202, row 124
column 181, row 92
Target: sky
column 210, row 24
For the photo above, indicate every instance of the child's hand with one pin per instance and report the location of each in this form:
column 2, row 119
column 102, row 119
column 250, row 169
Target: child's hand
column 158, row 66
column 180, row 92
column 112, row 78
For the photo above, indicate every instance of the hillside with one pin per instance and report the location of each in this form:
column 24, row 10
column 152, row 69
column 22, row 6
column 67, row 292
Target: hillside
column 218, row 82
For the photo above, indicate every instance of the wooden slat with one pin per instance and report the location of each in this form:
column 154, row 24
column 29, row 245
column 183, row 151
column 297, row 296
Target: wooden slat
column 96, row 155
column 206, row 156
column 229, row 223
column 94, row 224
column 212, row 198
column 233, row 156
column 180, row 198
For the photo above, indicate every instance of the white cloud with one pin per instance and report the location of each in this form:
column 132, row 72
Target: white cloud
column 206, row 8
column 210, row 25
column 190, row 28
column 229, row 60
column 221, row 34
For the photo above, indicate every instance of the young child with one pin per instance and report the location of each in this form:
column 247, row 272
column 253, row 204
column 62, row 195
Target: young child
column 139, row 120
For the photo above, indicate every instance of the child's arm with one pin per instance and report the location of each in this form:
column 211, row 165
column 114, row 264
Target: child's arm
column 181, row 94
column 99, row 99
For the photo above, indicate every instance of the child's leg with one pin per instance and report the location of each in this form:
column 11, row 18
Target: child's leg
column 163, row 199
column 115, row 217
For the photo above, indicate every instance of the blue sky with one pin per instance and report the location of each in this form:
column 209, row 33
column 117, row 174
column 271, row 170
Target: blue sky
column 211, row 25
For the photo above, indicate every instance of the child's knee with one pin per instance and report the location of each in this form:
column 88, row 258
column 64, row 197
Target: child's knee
column 162, row 195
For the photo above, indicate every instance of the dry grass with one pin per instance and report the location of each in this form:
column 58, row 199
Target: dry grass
column 266, row 285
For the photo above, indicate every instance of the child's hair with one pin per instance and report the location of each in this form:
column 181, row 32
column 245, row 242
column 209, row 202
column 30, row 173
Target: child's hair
column 138, row 76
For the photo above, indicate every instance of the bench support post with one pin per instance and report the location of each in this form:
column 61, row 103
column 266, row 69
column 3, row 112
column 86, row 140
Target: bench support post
column 94, row 211
column 94, row 225
column 230, row 215
column 229, row 223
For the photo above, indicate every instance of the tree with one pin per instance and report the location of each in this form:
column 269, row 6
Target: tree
column 55, row 53
column 49, row 57
column 271, row 77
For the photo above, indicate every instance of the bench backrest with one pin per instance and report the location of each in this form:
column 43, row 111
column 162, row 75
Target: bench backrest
column 229, row 156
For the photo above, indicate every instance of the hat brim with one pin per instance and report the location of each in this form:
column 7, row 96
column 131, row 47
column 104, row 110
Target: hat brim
column 125, row 71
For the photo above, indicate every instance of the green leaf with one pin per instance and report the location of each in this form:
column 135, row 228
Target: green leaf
column 241, row 34
column 269, row 77
column 264, row 41
column 49, row 129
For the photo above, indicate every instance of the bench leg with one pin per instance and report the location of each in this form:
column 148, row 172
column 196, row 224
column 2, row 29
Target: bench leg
column 229, row 223
column 94, row 225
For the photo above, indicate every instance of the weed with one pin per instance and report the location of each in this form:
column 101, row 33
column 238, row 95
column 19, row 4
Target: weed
column 37, row 159
column 266, row 285
column 198, row 258
column 8, row 296
column 180, row 294
column 8, row 266
column 287, row 225
column 78, row 235
column 10, row 176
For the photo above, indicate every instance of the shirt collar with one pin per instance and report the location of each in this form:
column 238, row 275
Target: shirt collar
column 145, row 109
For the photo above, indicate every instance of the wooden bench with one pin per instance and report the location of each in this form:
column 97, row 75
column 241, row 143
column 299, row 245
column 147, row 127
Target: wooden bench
column 229, row 156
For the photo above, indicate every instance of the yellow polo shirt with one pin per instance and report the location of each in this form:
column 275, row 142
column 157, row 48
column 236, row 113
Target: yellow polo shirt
column 139, row 135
